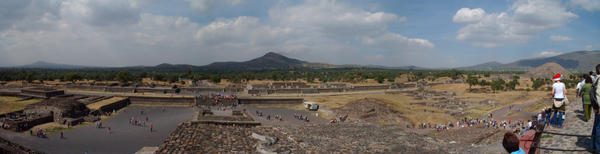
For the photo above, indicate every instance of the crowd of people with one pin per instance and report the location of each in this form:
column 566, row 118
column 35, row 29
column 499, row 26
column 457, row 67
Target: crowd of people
column 517, row 126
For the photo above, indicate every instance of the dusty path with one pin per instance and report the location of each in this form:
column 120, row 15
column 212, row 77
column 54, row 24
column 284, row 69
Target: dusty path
column 517, row 110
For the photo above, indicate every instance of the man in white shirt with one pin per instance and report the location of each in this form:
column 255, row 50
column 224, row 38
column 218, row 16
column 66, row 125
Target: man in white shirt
column 558, row 92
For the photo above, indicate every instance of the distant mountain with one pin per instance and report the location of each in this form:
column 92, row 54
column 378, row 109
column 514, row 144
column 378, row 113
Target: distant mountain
column 578, row 61
column 48, row 65
column 270, row 61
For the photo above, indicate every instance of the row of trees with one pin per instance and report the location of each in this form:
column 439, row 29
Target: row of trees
column 537, row 83
column 325, row 75
column 497, row 84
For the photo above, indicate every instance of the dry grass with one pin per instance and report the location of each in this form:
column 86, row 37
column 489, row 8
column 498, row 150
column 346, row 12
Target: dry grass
column 414, row 113
column 97, row 105
column 11, row 104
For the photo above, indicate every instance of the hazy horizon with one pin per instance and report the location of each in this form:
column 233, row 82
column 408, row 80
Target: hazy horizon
column 432, row 34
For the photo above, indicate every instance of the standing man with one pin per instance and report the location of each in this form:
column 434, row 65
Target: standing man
column 151, row 128
column 558, row 92
column 595, row 143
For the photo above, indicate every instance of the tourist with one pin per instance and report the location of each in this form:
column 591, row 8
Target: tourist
column 579, row 87
column 558, row 92
column 595, row 143
column 61, row 135
column 511, row 143
column 584, row 94
column 108, row 129
column 151, row 128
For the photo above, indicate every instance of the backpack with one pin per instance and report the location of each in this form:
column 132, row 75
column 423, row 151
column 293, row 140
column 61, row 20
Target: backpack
column 593, row 98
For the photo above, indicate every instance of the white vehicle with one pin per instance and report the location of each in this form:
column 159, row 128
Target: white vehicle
column 311, row 106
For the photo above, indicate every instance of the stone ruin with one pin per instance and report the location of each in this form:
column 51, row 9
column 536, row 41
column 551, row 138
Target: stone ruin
column 42, row 92
column 62, row 110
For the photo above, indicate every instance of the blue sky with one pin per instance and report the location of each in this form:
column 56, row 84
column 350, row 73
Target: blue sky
column 392, row 33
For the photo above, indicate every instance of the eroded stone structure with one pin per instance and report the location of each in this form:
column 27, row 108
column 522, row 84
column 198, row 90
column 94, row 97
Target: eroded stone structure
column 42, row 92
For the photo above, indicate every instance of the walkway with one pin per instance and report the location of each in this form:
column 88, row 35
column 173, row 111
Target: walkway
column 573, row 124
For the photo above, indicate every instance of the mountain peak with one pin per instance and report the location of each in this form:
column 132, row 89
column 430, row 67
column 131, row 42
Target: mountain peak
column 273, row 54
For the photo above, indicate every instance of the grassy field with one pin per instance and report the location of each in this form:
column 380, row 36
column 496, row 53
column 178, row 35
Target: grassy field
column 11, row 104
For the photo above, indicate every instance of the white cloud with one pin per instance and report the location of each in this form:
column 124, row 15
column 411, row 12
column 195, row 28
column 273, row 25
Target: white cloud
column 590, row 5
column 208, row 5
column 547, row 54
column 524, row 19
column 466, row 15
column 398, row 42
column 559, row 38
column 80, row 32
column 588, row 47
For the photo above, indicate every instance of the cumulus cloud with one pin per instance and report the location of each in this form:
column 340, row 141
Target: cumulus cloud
column 559, row 38
column 547, row 54
column 119, row 33
column 466, row 15
column 208, row 5
column 590, row 5
column 524, row 19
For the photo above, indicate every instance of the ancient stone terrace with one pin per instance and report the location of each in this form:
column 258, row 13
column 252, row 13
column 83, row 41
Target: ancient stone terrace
column 42, row 92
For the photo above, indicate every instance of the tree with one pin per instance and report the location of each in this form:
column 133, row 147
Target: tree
column 472, row 80
column 379, row 78
column 72, row 76
column 497, row 84
column 124, row 77
column 215, row 78
column 537, row 83
column 512, row 84
column 29, row 76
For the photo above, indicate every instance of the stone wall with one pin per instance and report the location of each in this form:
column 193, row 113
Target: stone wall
column 42, row 92
column 115, row 106
column 24, row 122
column 270, row 100
column 186, row 101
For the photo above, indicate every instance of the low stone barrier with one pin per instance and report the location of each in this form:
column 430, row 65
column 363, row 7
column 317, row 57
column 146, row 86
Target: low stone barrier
column 185, row 101
column 270, row 100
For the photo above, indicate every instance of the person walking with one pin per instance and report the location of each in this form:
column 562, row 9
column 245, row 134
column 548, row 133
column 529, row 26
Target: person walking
column 558, row 92
column 584, row 94
column 595, row 93
column 62, row 135
column 151, row 128
column 579, row 87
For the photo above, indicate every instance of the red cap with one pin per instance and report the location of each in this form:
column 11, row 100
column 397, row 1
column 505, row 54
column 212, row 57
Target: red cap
column 557, row 76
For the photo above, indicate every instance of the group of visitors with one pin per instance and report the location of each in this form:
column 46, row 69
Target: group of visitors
column 268, row 117
column 302, row 117
column 341, row 119
column 517, row 126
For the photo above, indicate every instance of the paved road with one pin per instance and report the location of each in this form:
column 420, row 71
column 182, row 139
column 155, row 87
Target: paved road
column 124, row 138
